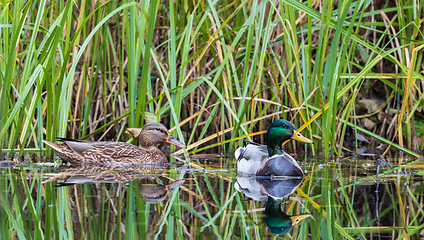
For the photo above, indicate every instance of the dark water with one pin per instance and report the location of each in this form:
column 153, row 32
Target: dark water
column 348, row 198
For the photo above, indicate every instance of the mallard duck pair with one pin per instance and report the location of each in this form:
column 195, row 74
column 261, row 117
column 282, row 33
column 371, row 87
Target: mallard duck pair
column 271, row 160
column 118, row 153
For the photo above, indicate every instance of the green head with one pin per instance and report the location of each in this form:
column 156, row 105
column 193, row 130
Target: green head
column 278, row 221
column 280, row 132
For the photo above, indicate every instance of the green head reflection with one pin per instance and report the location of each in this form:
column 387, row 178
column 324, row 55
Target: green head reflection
column 278, row 221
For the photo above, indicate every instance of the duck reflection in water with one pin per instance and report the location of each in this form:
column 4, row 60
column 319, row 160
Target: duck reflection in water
column 150, row 190
column 278, row 221
column 272, row 191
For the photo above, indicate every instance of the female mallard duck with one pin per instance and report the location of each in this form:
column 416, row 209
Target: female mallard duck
column 118, row 153
column 271, row 160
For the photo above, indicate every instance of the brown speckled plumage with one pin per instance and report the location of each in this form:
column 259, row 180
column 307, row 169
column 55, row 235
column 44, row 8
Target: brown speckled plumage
column 118, row 153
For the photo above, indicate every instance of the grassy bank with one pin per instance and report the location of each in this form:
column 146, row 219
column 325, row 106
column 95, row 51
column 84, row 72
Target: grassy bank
column 216, row 70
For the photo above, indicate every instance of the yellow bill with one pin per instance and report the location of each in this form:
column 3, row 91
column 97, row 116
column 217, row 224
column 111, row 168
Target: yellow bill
column 299, row 137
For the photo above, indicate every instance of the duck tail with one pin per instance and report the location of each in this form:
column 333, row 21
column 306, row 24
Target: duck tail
column 53, row 145
column 238, row 154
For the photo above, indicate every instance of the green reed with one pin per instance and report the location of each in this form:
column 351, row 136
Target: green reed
column 239, row 66
column 85, row 70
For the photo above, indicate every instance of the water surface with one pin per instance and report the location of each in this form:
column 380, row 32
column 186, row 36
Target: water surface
column 346, row 198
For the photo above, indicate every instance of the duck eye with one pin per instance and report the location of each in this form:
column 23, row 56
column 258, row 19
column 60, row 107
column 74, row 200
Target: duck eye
column 284, row 126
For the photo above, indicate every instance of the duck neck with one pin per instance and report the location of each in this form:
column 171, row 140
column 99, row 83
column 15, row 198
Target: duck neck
column 145, row 142
column 274, row 150
column 273, row 206
column 274, row 146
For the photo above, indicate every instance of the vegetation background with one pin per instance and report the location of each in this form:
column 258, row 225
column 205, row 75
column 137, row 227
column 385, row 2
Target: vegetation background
column 213, row 70
column 347, row 73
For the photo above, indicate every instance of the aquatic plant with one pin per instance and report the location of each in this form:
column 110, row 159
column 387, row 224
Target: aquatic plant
column 215, row 71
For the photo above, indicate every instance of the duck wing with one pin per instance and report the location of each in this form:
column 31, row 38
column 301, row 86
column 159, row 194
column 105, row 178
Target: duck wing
column 77, row 146
column 252, row 151
column 106, row 149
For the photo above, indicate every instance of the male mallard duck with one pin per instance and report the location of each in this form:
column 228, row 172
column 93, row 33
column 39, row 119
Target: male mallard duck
column 278, row 221
column 118, row 153
column 271, row 160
